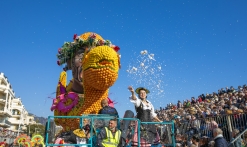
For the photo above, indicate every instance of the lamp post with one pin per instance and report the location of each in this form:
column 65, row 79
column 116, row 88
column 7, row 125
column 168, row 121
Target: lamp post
column 19, row 128
column 21, row 114
column 29, row 129
column 36, row 130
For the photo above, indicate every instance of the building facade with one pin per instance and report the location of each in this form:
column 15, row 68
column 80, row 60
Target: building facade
column 6, row 96
column 13, row 115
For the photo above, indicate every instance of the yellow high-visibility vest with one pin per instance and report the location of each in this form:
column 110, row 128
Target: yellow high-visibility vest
column 111, row 141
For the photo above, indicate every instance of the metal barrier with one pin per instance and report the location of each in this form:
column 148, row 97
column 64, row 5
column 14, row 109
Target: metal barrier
column 8, row 135
column 168, row 129
column 9, row 140
column 165, row 127
column 205, row 126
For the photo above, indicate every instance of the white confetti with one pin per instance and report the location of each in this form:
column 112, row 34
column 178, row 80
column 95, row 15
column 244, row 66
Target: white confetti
column 151, row 57
column 144, row 52
column 145, row 71
column 134, row 68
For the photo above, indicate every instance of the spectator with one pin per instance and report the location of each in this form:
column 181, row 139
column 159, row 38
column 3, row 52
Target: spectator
column 193, row 101
column 195, row 140
column 240, row 88
column 179, row 139
column 199, row 99
column 194, row 124
column 238, row 142
column 213, row 125
column 4, row 143
column 203, row 97
column 177, row 124
column 204, row 141
column 211, row 144
column 227, row 90
column 179, row 104
column 185, row 141
column 245, row 139
column 221, row 110
column 232, row 89
column 188, row 104
column 219, row 139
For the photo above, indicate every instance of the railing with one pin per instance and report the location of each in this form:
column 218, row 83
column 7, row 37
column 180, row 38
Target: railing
column 204, row 127
column 4, row 121
column 8, row 135
column 3, row 98
column 163, row 127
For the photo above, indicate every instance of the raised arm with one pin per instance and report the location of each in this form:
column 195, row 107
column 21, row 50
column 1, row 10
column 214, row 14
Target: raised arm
column 201, row 112
column 131, row 89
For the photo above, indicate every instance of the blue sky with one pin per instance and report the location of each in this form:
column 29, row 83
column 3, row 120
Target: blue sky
column 200, row 45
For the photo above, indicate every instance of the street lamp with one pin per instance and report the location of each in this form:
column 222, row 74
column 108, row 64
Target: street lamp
column 37, row 129
column 21, row 115
column 29, row 129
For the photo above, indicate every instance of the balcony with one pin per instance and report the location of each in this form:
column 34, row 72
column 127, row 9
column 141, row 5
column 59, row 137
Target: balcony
column 16, row 115
column 16, row 122
column 18, row 107
column 5, row 123
column 5, row 112
column 3, row 87
column 2, row 100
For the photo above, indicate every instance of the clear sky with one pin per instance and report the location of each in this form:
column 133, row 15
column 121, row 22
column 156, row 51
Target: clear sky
column 199, row 46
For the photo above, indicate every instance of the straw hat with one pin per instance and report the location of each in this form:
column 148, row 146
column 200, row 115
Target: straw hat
column 141, row 88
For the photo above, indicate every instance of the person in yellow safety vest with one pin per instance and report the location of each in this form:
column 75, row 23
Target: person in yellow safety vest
column 110, row 136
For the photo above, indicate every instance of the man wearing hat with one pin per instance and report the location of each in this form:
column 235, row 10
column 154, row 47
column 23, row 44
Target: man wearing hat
column 145, row 112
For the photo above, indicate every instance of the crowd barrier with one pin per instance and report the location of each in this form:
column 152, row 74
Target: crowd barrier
column 205, row 126
column 8, row 135
column 8, row 139
column 165, row 129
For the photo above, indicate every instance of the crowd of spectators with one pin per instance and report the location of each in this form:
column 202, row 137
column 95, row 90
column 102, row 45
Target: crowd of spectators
column 196, row 118
column 226, row 101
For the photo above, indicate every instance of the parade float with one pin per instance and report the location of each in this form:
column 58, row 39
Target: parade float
column 94, row 63
column 25, row 141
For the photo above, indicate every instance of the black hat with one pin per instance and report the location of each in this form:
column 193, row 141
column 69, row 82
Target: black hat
column 141, row 88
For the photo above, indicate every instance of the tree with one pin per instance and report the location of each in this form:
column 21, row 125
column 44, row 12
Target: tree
column 36, row 129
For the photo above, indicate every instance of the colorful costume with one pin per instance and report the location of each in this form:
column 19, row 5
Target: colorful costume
column 145, row 113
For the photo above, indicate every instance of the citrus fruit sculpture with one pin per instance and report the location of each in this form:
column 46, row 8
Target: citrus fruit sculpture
column 95, row 63
column 37, row 140
column 23, row 140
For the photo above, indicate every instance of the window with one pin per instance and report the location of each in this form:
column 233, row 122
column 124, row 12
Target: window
column 13, row 112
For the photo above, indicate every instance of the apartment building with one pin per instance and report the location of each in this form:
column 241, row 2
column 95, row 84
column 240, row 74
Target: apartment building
column 12, row 111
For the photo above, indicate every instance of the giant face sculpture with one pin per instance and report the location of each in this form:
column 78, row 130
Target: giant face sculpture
column 75, row 64
column 94, row 69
